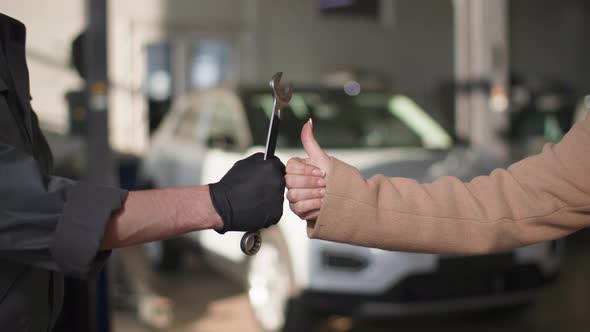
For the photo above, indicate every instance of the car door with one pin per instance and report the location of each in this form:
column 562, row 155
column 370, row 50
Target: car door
column 226, row 133
column 228, row 140
column 181, row 146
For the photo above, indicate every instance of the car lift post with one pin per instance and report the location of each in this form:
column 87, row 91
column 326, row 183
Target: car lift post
column 101, row 163
column 482, row 64
column 86, row 305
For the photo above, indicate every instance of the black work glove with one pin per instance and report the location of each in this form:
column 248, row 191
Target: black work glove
column 250, row 195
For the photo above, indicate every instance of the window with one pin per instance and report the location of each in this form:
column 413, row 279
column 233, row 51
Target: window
column 186, row 128
column 158, row 83
column 365, row 120
column 210, row 65
column 223, row 131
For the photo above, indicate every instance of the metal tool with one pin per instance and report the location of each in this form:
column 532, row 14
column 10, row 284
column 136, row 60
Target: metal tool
column 252, row 241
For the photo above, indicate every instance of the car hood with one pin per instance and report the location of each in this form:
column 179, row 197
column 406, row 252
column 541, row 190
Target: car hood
column 415, row 163
column 406, row 162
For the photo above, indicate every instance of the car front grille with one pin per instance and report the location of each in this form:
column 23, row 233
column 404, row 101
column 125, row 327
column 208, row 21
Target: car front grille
column 455, row 278
column 467, row 277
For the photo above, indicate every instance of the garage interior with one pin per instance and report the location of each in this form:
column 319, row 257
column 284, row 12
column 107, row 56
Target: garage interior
column 492, row 81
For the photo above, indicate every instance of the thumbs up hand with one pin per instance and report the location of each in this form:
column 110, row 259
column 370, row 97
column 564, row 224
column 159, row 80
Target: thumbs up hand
column 306, row 177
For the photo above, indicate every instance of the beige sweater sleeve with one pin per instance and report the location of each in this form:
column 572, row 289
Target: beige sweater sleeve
column 540, row 198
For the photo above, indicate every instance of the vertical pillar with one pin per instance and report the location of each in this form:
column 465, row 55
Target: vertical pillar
column 92, row 297
column 101, row 165
column 482, row 69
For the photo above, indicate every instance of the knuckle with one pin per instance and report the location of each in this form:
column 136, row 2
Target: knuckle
column 293, row 208
column 300, row 207
column 289, row 181
column 299, row 181
column 293, row 168
column 291, row 196
column 279, row 168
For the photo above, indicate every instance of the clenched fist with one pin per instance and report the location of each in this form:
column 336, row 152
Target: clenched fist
column 250, row 196
column 306, row 177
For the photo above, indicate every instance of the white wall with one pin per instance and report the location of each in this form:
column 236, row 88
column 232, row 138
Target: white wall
column 51, row 25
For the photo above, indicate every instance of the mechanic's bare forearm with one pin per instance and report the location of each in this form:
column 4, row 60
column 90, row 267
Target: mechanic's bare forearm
column 151, row 215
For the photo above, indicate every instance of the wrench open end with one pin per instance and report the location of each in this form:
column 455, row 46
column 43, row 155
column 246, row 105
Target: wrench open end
column 282, row 94
column 252, row 241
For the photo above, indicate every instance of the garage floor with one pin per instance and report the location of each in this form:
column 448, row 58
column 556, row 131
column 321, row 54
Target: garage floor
column 205, row 301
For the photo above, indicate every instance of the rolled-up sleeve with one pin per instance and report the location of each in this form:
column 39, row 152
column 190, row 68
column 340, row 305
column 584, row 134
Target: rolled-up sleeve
column 52, row 222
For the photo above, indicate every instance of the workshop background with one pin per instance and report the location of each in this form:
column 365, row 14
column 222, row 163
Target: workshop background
column 155, row 93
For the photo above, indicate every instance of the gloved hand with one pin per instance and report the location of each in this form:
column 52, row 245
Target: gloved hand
column 250, row 195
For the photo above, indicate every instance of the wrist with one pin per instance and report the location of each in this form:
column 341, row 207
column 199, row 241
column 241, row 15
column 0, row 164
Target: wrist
column 216, row 220
column 194, row 209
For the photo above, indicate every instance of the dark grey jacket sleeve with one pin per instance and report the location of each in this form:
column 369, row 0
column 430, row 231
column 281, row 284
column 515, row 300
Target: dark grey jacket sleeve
column 52, row 222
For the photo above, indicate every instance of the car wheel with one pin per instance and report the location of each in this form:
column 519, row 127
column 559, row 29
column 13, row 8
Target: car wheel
column 270, row 288
column 164, row 255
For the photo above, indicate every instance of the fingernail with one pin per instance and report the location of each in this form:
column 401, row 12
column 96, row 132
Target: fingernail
column 318, row 172
column 321, row 182
column 322, row 192
column 310, row 122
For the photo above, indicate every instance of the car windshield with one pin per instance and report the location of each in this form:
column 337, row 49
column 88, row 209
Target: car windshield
column 367, row 120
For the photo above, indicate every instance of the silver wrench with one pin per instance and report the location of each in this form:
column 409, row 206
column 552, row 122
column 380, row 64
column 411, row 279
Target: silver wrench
column 252, row 241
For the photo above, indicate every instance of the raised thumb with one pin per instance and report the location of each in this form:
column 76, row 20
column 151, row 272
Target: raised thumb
column 311, row 146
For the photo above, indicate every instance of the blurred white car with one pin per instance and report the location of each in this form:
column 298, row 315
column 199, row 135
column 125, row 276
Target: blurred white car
column 293, row 278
